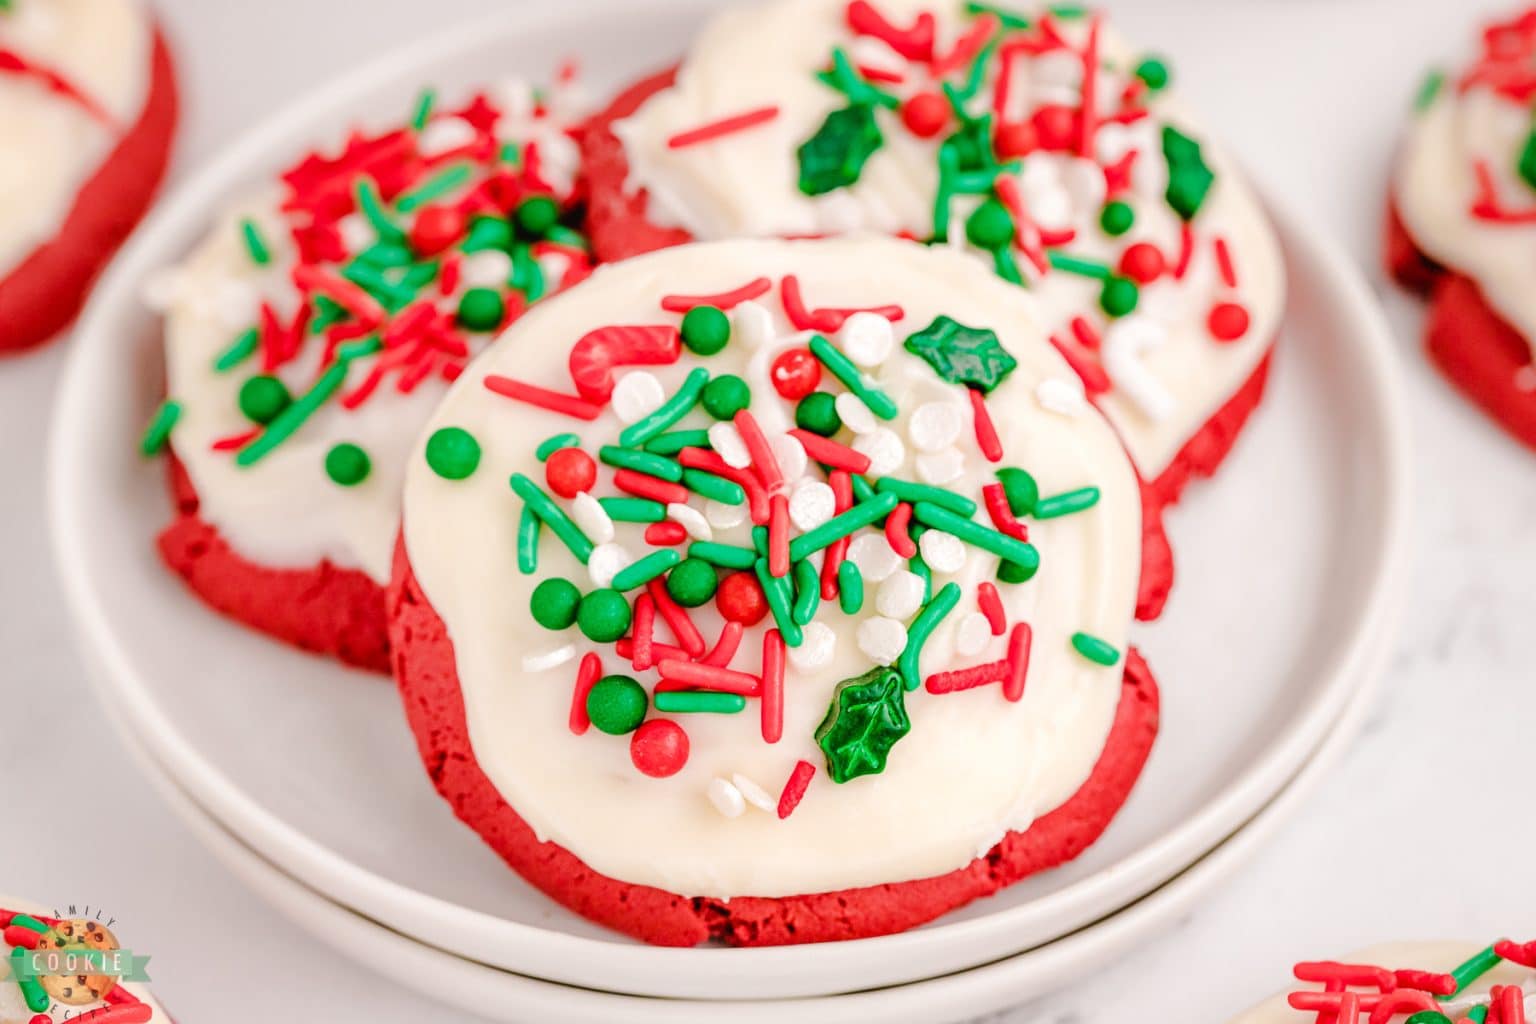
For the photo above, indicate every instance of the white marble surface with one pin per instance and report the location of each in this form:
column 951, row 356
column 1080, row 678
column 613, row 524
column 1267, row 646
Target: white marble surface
column 1420, row 833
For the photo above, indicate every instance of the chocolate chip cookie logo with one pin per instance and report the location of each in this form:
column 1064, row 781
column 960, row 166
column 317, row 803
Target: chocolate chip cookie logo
column 76, row 959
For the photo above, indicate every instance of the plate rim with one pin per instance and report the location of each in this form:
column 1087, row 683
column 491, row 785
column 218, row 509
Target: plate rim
column 652, row 970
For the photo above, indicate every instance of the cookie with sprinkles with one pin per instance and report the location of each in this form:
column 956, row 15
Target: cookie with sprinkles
column 314, row 331
column 28, row 932
column 1036, row 141
column 765, row 538
column 1413, row 982
column 1462, row 218
column 87, row 116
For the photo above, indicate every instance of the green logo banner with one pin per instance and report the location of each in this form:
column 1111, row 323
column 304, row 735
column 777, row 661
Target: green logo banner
column 61, row 963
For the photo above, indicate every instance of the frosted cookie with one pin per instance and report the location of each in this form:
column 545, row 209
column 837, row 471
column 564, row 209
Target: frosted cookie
column 752, row 591
column 1416, row 982
column 30, row 996
column 1040, row 144
column 1462, row 218
column 87, row 115
column 314, row 331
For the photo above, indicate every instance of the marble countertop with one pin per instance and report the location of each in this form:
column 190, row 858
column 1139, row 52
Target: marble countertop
column 1421, row 832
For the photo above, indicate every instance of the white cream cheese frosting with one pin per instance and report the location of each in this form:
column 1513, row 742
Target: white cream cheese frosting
column 51, row 143
column 284, row 510
column 1168, row 375
column 13, row 1004
column 1458, row 187
column 1439, row 957
column 973, row 766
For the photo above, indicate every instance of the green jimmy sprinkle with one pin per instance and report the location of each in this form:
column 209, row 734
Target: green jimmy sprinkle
column 841, row 367
column 675, row 441
column 1100, row 652
column 683, row 702
column 779, row 593
column 255, row 245
column 850, row 588
column 641, row 462
column 672, row 410
column 838, row 527
column 807, row 592
column 241, row 349
column 1066, row 504
column 553, row 516
column 158, row 433
column 638, row 574
column 528, row 541
column 717, row 488
column 922, row 628
column 554, row 444
column 633, row 510
column 727, row 556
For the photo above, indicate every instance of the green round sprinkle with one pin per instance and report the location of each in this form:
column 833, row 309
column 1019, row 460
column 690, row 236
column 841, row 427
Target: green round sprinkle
column 692, row 582
column 554, row 603
column 347, row 464
column 817, row 412
column 554, row 444
column 617, row 704
column 1119, row 296
column 263, row 397
column 481, row 309
column 538, row 214
column 726, row 395
column 1100, row 652
column 706, row 329
column 990, row 225
column 1021, row 490
column 1116, row 218
column 603, row 616
column 453, row 453
column 1154, row 73
column 1013, row 572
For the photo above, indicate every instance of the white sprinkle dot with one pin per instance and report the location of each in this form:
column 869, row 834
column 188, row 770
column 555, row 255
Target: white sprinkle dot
column 935, row 426
column 811, row 504
column 789, row 453
column 944, row 552
column 816, row 647
column 752, row 324
column 874, row 556
column 548, row 659
column 974, row 634
column 606, row 561
column 940, row 467
column 900, row 596
column 592, row 518
column 692, row 520
column 854, row 413
column 1063, row 397
column 723, row 516
column 755, row 795
column 637, row 395
column 882, row 639
column 726, row 440
column 867, row 339
column 489, row 268
column 884, row 448
column 726, row 798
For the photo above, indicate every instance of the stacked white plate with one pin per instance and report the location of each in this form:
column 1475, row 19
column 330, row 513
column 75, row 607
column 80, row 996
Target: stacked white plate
column 303, row 776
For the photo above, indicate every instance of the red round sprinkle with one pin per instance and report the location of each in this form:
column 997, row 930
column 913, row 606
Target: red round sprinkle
column 795, row 373
column 659, row 748
column 1015, row 139
column 436, row 228
column 570, row 471
column 740, row 599
column 925, row 114
column 1228, row 321
column 1143, row 263
column 1056, row 127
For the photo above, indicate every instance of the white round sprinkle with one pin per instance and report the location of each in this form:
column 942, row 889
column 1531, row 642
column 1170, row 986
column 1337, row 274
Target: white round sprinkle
column 444, row 133
column 605, row 563
column 900, row 596
column 726, row 798
column 882, row 640
column 940, row 467
column 974, row 634
column 356, row 233
column 637, row 395
column 1063, row 397
column 935, row 426
column 816, row 647
column 874, row 556
column 726, row 440
column 490, row 268
column 692, row 520
column 789, row 453
column 884, row 448
column 751, row 324
column 1125, row 342
column 854, row 413
column 722, row 516
column 548, row 659
column 592, row 518
column 944, row 552
column 755, row 795
column 867, row 339
column 811, row 504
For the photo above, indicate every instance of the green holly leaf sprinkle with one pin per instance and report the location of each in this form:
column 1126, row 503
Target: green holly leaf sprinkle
column 963, row 355
column 834, row 157
column 1189, row 178
column 868, row 715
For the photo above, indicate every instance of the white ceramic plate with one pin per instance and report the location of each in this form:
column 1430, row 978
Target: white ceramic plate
column 1286, row 574
column 504, row 996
